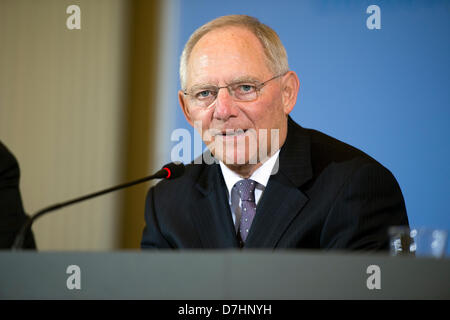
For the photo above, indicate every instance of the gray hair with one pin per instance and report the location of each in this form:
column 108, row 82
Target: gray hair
column 273, row 48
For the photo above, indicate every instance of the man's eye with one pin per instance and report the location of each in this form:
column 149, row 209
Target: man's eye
column 246, row 88
column 204, row 94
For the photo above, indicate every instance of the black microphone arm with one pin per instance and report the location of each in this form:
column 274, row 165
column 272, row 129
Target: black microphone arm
column 169, row 171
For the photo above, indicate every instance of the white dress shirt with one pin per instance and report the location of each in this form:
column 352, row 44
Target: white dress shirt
column 261, row 176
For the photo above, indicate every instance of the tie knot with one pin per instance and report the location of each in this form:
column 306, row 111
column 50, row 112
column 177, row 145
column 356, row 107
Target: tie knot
column 246, row 189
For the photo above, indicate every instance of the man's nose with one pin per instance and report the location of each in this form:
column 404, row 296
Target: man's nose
column 225, row 106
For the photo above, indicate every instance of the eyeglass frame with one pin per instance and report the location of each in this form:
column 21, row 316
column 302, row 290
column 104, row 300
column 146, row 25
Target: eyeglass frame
column 258, row 87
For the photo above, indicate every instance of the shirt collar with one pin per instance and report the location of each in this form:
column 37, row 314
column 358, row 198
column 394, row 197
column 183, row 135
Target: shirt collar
column 261, row 175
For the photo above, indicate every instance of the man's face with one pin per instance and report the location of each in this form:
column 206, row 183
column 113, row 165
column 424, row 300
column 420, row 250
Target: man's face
column 234, row 130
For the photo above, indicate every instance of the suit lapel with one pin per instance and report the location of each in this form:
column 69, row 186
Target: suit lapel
column 211, row 214
column 282, row 199
column 280, row 204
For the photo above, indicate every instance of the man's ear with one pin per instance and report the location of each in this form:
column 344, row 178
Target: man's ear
column 289, row 89
column 184, row 107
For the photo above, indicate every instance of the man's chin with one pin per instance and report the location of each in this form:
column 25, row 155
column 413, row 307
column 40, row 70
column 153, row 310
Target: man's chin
column 236, row 158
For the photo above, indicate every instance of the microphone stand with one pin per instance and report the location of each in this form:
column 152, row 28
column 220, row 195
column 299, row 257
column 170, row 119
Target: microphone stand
column 20, row 238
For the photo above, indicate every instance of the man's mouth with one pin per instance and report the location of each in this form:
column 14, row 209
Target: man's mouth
column 233, row 133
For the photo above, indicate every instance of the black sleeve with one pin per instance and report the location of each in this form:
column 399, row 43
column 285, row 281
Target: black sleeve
column 12, row 214
column 367, row 205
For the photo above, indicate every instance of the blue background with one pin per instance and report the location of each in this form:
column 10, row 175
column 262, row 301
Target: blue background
column 383, row 91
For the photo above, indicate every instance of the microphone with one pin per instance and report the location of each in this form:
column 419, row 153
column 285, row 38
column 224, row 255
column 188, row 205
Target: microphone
column 169, row 171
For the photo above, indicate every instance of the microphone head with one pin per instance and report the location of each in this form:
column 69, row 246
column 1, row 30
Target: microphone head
column 174, row 170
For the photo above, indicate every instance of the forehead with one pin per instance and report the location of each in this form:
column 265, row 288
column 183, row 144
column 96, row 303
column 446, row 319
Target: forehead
column 225, row 54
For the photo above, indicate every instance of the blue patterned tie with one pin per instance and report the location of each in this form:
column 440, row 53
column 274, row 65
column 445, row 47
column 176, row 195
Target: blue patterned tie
column 246, row 189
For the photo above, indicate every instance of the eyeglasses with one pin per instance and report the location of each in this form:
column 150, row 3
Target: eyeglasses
column 205, row 96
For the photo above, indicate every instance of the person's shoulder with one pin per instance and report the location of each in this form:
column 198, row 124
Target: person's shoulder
column 326, row 146
column 331, row 154
column 187, row 180
column 339, row 162
column 9, row 166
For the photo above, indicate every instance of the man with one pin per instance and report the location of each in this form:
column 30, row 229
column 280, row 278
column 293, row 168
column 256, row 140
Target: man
column 12, row 214
column 277, row 185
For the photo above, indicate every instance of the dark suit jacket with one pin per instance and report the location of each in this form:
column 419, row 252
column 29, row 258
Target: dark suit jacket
column 326, row 194
column 12, row 215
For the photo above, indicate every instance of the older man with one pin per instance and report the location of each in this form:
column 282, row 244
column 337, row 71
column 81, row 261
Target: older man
column 276, row 184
